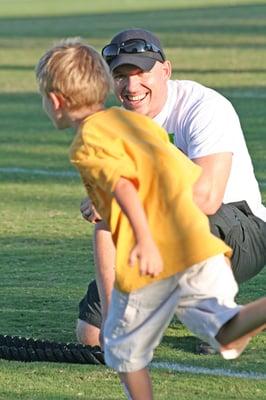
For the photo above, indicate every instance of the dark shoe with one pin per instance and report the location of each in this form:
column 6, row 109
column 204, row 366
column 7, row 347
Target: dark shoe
column 204, row 349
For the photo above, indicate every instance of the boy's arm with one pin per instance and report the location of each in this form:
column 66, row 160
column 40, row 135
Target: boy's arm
column 145, row 250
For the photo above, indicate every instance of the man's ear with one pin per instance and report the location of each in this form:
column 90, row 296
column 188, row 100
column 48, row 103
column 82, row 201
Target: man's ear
column 167, row 69
column 57, row 100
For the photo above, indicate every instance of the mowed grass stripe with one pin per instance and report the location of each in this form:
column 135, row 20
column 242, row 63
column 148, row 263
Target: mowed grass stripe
column 63, row 174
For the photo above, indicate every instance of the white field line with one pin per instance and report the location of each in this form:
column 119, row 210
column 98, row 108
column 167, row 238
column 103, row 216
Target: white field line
column 221, row 372
column 46, row 172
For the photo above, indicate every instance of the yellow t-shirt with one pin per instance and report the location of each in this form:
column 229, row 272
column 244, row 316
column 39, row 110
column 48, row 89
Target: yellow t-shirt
column 117, row 143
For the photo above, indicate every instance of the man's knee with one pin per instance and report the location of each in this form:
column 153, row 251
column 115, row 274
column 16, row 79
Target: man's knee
column 246, row 234
column 87, row 334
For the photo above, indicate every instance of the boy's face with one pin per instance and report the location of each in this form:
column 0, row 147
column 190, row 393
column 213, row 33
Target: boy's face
column 52, row 107
column 142, row 91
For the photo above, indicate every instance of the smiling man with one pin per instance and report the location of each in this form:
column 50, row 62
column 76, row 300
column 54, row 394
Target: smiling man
column 137, row 89
column 137, row 85
column 207, row 129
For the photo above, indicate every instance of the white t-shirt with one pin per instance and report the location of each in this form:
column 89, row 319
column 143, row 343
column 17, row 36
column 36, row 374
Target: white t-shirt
column 204, row 122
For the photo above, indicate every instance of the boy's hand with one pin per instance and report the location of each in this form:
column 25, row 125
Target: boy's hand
column 89, row 212
column 150, row 260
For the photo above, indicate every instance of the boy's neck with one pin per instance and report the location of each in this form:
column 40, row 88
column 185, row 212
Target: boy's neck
column 77, row 116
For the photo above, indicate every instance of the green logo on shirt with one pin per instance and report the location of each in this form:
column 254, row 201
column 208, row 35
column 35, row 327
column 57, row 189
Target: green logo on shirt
column 171, row 137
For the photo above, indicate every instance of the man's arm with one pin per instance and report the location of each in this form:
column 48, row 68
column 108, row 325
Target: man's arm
column 104, row 259
column 209, row 189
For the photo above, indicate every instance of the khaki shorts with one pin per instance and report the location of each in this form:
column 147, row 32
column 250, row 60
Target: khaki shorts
column 202, row 297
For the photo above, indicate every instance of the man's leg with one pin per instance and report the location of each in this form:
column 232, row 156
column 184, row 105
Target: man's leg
column 246, row 234
column 87, row 334
column 90, row 318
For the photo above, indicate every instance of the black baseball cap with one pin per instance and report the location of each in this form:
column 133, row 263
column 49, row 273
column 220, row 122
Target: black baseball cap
column 143, row 60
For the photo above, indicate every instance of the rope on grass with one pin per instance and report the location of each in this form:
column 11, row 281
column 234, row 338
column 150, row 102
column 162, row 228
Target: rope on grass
column 28, row 350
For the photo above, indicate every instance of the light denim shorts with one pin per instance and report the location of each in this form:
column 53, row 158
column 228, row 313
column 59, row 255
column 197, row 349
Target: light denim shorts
column 202, row 297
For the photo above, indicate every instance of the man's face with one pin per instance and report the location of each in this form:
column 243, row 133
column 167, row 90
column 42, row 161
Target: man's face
column 142, row 91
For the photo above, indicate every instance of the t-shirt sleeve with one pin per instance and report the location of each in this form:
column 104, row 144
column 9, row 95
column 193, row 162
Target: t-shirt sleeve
column 211, row 128
column 101, row 162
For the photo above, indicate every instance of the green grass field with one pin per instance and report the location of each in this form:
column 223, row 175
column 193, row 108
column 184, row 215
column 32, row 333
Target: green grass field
column 46, row 254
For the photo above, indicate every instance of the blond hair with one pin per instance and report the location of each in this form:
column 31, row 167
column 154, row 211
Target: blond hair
column 76, row 71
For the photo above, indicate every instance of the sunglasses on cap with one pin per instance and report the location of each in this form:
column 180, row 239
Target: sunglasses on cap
column 132, row 46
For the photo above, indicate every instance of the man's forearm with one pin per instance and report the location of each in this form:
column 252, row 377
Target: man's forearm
column 209, row 190
column 104, row 258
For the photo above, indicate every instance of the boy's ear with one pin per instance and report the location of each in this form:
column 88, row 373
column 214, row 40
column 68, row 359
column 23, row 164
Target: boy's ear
column 57, row 100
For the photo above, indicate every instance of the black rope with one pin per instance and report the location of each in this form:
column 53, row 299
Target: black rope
column 28, row 350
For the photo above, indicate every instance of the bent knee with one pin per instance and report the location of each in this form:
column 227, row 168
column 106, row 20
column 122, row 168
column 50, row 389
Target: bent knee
column 87, row 334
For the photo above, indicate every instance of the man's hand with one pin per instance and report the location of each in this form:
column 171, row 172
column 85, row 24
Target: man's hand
column 150, row 260
column 89, row 212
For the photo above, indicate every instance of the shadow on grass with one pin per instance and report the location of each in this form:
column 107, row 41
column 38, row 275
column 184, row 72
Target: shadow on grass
column 186, row 344
column 188, row 25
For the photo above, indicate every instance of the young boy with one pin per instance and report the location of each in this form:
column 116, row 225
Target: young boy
column 167, row 261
